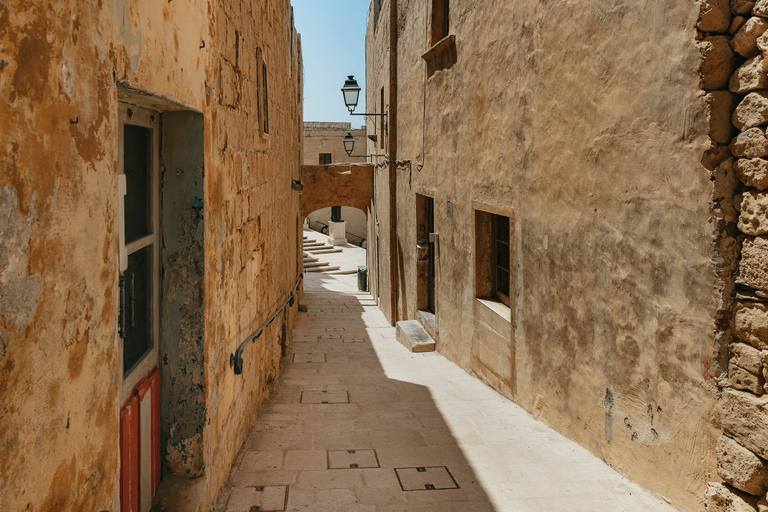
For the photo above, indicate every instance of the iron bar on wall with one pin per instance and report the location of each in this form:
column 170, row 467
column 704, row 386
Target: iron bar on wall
column 236, row 359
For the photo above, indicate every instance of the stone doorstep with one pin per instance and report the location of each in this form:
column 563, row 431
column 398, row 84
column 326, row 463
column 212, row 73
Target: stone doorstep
column 412, row 335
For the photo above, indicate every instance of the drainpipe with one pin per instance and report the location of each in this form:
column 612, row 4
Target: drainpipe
column 392, row 150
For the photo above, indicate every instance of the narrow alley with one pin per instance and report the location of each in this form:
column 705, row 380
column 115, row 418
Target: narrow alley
column 560, row 208
column 359, row 423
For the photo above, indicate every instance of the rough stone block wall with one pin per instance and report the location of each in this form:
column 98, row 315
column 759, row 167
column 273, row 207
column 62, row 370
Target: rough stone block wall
column 732, row 37
column 254, row 250
column 60, row 67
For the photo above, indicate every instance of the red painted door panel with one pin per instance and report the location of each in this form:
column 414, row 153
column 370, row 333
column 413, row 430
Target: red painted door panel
column 155, row 384
column 129, row 456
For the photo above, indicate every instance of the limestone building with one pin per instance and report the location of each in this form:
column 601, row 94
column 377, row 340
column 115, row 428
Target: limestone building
column 323, row 145
column 149, row 226
column 557, row 203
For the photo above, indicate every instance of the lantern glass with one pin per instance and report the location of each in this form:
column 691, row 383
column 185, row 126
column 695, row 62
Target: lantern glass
column 349, row 144
column 351, row 91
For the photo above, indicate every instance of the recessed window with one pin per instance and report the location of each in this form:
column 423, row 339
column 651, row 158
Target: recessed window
column 265, row 97
column 441, row 21
column 501, row 258
column 492, row 256
column 325, row 158
column 382, row 121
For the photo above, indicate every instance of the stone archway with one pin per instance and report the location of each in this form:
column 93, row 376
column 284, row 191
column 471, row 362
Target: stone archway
column 337, row 185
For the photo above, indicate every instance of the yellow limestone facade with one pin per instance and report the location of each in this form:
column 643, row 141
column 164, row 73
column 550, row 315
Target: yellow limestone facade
column 221, row 83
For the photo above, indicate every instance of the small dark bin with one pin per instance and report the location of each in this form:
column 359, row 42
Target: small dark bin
column 362, row 279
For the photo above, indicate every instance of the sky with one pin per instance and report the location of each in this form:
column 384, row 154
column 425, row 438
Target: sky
column 333, row 45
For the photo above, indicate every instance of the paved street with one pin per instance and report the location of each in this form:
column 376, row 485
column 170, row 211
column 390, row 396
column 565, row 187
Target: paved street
column 358, row 423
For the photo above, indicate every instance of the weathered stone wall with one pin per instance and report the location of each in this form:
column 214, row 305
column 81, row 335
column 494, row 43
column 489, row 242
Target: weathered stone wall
column 60, row 65
column 585, row 121
column 732, row 39
column 380, row 251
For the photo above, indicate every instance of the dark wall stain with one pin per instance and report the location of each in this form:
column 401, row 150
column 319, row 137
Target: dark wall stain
column 183, row 315
column 31, row 78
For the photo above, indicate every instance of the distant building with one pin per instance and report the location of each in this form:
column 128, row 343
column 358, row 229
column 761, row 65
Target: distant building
column 322, row 146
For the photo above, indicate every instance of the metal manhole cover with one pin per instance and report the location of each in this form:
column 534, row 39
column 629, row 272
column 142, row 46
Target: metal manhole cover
column 433, row 478
column 269, row 498
column 352, row 459
column 324, row 397
column 309, row 357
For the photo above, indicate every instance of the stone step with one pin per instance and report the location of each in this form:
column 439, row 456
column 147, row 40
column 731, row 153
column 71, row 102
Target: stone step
column 324, row 251
column 412, row 335
column 321, row 269
column 343, row 272
column 316, row 264
column 310, row 259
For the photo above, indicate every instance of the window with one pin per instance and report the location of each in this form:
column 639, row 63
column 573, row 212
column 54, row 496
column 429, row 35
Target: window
column 441, row 21
column 441, row 54
column 139, row 226
column 492, row 256
column 501, row 258
column 265, row 96
column 382, row 120
column 325, row 158
column 376, row 12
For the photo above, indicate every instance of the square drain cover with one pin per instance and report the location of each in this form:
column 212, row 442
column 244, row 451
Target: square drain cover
column 271, row 498
column 309, row 357
column 352, row 459
column 425, row 479
column 324, row 397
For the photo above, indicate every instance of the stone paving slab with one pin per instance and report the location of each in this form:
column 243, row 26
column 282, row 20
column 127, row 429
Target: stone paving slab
column 405, row 412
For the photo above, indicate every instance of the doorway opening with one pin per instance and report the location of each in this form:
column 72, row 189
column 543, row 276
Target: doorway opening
column 426, row 263
column 161, row 324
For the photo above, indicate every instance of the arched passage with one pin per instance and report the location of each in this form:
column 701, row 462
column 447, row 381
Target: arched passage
column 355, row 219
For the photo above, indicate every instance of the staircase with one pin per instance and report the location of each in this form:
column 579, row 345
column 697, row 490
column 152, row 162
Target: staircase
column 312, row 264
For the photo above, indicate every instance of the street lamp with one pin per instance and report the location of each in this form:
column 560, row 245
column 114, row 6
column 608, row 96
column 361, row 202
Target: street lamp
column 351, row 92
column 349, row 143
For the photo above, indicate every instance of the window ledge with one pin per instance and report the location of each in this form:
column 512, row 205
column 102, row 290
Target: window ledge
column 497, row 307
column 442, row 47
